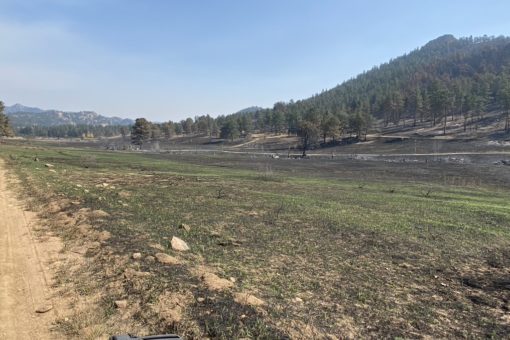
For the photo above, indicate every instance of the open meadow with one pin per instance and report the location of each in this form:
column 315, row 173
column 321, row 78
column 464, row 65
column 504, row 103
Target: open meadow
column 279, row 248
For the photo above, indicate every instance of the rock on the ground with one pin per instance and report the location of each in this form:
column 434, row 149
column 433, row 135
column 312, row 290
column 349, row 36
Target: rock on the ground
column 48, row 165
column 44, row 309
column 121, row 304
column 248, row 299
column 136, row 256
column 185, row 226
column 98, row 214
column 214, row 282
column 157, row 246
column 178, row 244
column 167, row 259
column 104, row 236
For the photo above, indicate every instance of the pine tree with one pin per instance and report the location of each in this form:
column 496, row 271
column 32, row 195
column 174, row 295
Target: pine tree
column 140, row 132
column 230, row 129
column 5, row 125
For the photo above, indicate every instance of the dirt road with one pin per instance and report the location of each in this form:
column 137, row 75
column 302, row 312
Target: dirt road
column 24, row 277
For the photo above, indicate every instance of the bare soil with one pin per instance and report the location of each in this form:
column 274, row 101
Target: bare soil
column 27, row 306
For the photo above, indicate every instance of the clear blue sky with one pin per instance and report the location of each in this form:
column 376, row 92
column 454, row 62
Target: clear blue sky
column 169, row 59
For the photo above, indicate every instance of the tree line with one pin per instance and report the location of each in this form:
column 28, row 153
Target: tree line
column 73, row 131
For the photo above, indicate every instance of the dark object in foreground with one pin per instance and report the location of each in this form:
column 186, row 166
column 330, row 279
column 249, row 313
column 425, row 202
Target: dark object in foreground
column 150, row 337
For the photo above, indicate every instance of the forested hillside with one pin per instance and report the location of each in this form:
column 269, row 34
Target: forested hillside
column 465, row 76
column 447, row 77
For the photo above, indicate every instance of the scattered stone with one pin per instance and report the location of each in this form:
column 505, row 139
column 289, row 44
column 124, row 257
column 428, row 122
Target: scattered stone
column 121, row 304
column 157, row 246
column 185, row 226
column 75, row 202
column 167, row 259
column 248, row 299
column 48, row 165
column 78, row 185
column 52, row 170
column 104, row 236
column 298, row 299
column 214, row 282
column 178, row 244
column 215, row 234
column 99, row 214
column 230, row 242
column 200, row 299
column 130, row 273
column 44, row 309
column 233, row 279
column 136, row 256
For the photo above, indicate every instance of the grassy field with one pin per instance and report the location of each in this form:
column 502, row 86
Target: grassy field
column 295, row 253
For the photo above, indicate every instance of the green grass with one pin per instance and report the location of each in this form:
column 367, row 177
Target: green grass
column 369, row 258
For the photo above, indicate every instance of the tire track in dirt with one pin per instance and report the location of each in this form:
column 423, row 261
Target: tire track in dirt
column 24, row 286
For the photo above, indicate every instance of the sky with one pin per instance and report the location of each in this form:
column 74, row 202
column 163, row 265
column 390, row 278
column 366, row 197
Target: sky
column 172, row 59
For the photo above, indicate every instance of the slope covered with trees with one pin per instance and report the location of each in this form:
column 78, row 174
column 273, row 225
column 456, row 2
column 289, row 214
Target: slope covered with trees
column 447, row 77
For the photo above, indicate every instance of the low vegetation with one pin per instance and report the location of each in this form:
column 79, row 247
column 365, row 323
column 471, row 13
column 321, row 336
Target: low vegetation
column 275, row 253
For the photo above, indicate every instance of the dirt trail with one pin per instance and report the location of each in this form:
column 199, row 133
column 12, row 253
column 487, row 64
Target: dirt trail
column 24, row 277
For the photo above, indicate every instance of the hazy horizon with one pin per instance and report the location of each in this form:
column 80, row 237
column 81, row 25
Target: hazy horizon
column 168, row 60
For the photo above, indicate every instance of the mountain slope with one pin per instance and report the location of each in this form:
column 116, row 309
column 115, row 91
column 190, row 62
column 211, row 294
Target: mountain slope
column 22, row 108
column 21, row 116
column 466, row 76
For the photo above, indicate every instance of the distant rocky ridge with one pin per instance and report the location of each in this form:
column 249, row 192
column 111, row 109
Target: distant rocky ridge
column 21, row 116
